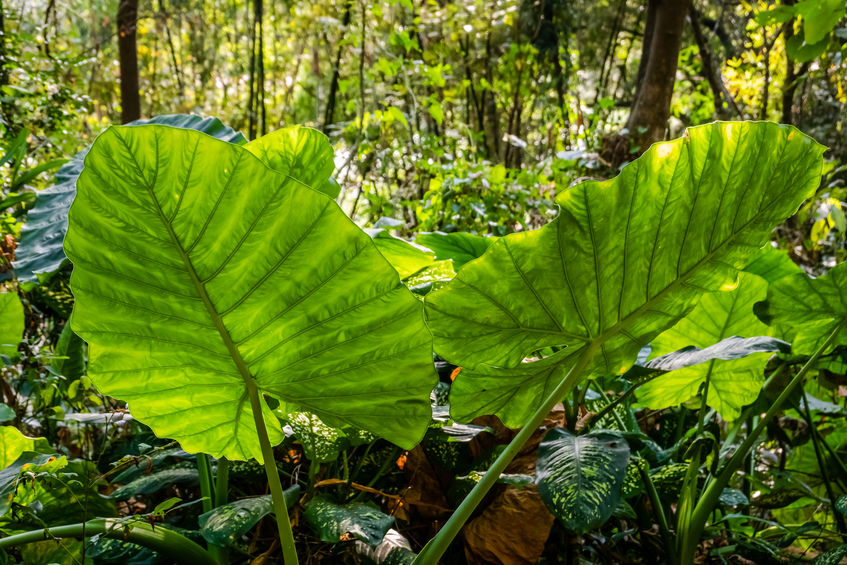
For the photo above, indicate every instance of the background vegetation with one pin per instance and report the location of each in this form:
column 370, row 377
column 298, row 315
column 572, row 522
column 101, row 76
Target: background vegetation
column 445, row 117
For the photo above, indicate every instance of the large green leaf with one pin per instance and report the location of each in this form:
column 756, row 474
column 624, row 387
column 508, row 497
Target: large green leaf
column 811, row 308
column 732, row 384
column 580, row 477
column 200, row 272
column 27, row 463
column 624, row 260
column 303, row 153
column 772, row 264
column 11, row 323
column 40, row 248
column 70, row 354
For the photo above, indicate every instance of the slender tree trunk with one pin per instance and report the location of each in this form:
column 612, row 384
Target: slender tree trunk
column 256, row 102
column 792, row 74
column 329, row 112
column 603, row 80
column 648, row 118
column 725, row 105
column 5, row 106
column 763, row 109
column 128, row 56
column 163, row 14
column 646, row 41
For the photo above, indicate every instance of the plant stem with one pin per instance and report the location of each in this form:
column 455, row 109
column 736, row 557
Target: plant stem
column 835, row 457
column 617, row 401
column 207, row 491
column 661, row 519
column 222, row 482
column 711, row 493
column 436, row 547
column 286, row 535
column 839, row 519
column 167, row 542
column 221, row 498
column 204, row 470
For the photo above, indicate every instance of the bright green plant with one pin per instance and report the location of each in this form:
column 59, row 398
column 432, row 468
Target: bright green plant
column 208, row 284
column 40, row 250
column 687, row 214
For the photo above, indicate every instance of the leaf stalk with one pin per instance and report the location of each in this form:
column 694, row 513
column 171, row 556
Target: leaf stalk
column 436, row 547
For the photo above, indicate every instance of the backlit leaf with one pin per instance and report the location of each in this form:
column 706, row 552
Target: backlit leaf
column 688, row 214
column 40, row 249
column 200, row 272
column 732, row 383
column 810, row 308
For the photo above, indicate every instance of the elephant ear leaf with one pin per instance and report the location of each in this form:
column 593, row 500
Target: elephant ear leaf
column 624, row 260
column 303, row 153
column 730, row 383
column 40, row 249
column 811, row 308
column 206, row 282
column 579, row 478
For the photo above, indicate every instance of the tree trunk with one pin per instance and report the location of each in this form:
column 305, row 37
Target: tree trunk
column 5, row 106
column 725, row 105
column 329, row 112
column 792, row 74
column 128, row 55
column 648, row 118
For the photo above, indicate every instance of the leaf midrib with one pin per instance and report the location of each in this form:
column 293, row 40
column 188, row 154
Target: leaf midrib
column 235, row 355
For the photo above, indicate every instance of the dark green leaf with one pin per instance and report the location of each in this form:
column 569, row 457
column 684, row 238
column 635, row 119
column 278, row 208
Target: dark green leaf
column 580, row 477
column 831, row 557
column 148, row 484
column 334, row 522
column 394, row 549
column 733, row 497
column 225, row 524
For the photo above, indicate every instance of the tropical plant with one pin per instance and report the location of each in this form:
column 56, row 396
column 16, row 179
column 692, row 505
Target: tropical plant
column 223, row 294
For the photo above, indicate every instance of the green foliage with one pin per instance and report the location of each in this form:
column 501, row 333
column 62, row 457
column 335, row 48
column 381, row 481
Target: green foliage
column 11, row 323
column 40, row 250
column 812, row 308
column 731, row 384
column 705, row 203
column 12, row 444
column 301, row 153
column 206, row 313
